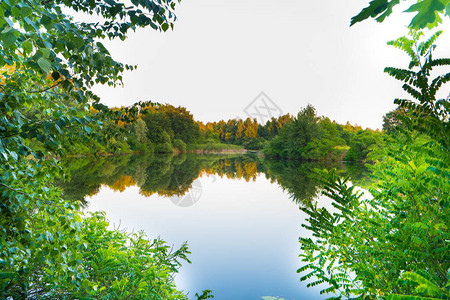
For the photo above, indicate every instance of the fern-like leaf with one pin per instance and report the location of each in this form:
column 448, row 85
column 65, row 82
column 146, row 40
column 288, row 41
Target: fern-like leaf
column 438, row 82
column 413, row 92
column 424, row 286
column 400, row 74
column 427, row 45
column 407, row 46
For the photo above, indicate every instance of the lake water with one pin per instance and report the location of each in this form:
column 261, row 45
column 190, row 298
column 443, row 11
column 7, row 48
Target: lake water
column 239, row 214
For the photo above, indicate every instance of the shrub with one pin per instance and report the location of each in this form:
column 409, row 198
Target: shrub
column 163, row 148
column 255, row 144
column 179, row 145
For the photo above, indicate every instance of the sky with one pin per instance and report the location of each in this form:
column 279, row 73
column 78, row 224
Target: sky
column 223, row 53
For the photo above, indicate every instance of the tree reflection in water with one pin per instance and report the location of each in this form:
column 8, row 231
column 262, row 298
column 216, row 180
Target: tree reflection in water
column 173, row 176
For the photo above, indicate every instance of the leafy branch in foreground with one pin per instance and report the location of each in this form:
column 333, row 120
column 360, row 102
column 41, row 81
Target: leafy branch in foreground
column 428, row 13
column 393, row 244
column 49, row 62
column 429, row 114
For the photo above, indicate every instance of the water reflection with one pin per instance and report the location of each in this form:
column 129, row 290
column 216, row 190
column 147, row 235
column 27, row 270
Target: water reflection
column 171, row 176
column 243, row 233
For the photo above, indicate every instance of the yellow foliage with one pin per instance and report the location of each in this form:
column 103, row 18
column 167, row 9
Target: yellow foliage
column 8, row 70
column 121, row 184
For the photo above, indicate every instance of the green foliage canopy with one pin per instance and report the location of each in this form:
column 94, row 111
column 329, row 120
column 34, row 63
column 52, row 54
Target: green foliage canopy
column 394, row 244
column 49, row 61
column 428, row 13
column 48, row 65
column 309, row 137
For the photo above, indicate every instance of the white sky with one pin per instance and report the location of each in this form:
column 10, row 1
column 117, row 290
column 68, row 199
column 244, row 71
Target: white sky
column 223, row 53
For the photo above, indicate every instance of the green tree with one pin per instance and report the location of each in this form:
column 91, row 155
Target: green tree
column 305, row 127
column 296, row 135
column 141, row 131
column 392, row 121
column 307, row 137
column 363, row 143
column 159, row 131
column 183, row 124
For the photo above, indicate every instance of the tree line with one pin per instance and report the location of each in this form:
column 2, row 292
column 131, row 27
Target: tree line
column 164, row 128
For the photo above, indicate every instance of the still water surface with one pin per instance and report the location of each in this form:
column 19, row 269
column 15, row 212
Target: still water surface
column 239, row 215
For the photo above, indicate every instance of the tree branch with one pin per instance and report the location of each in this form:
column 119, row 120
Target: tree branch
column 28, row 195
column 44, row 90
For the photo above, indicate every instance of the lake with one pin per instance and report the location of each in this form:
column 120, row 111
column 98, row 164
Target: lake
column 239, row 215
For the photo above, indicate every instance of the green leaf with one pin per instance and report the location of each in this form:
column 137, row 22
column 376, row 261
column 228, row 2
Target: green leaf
column 87, row 129
column 46, row 22
column 25, row 11
column 427, row 13
column 27, row 47
column 13, row 155
column 375, row 8
column 388, row 10
column 447, row 10
column 9, row 38
column 15, row 11
column 58, row 128
column 45, row 52
column 45, row 64
column 78, row 42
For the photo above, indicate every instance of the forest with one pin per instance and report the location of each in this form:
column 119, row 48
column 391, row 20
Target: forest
column 393, row 244
column 163, row 128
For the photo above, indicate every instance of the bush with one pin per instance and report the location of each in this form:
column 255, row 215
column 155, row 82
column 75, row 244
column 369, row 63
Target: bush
column 88, row 260
column 255, row 144
column 128, row 265
column 163, row 148
column 362, row 144
column 275, row 149
column 179, row 145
